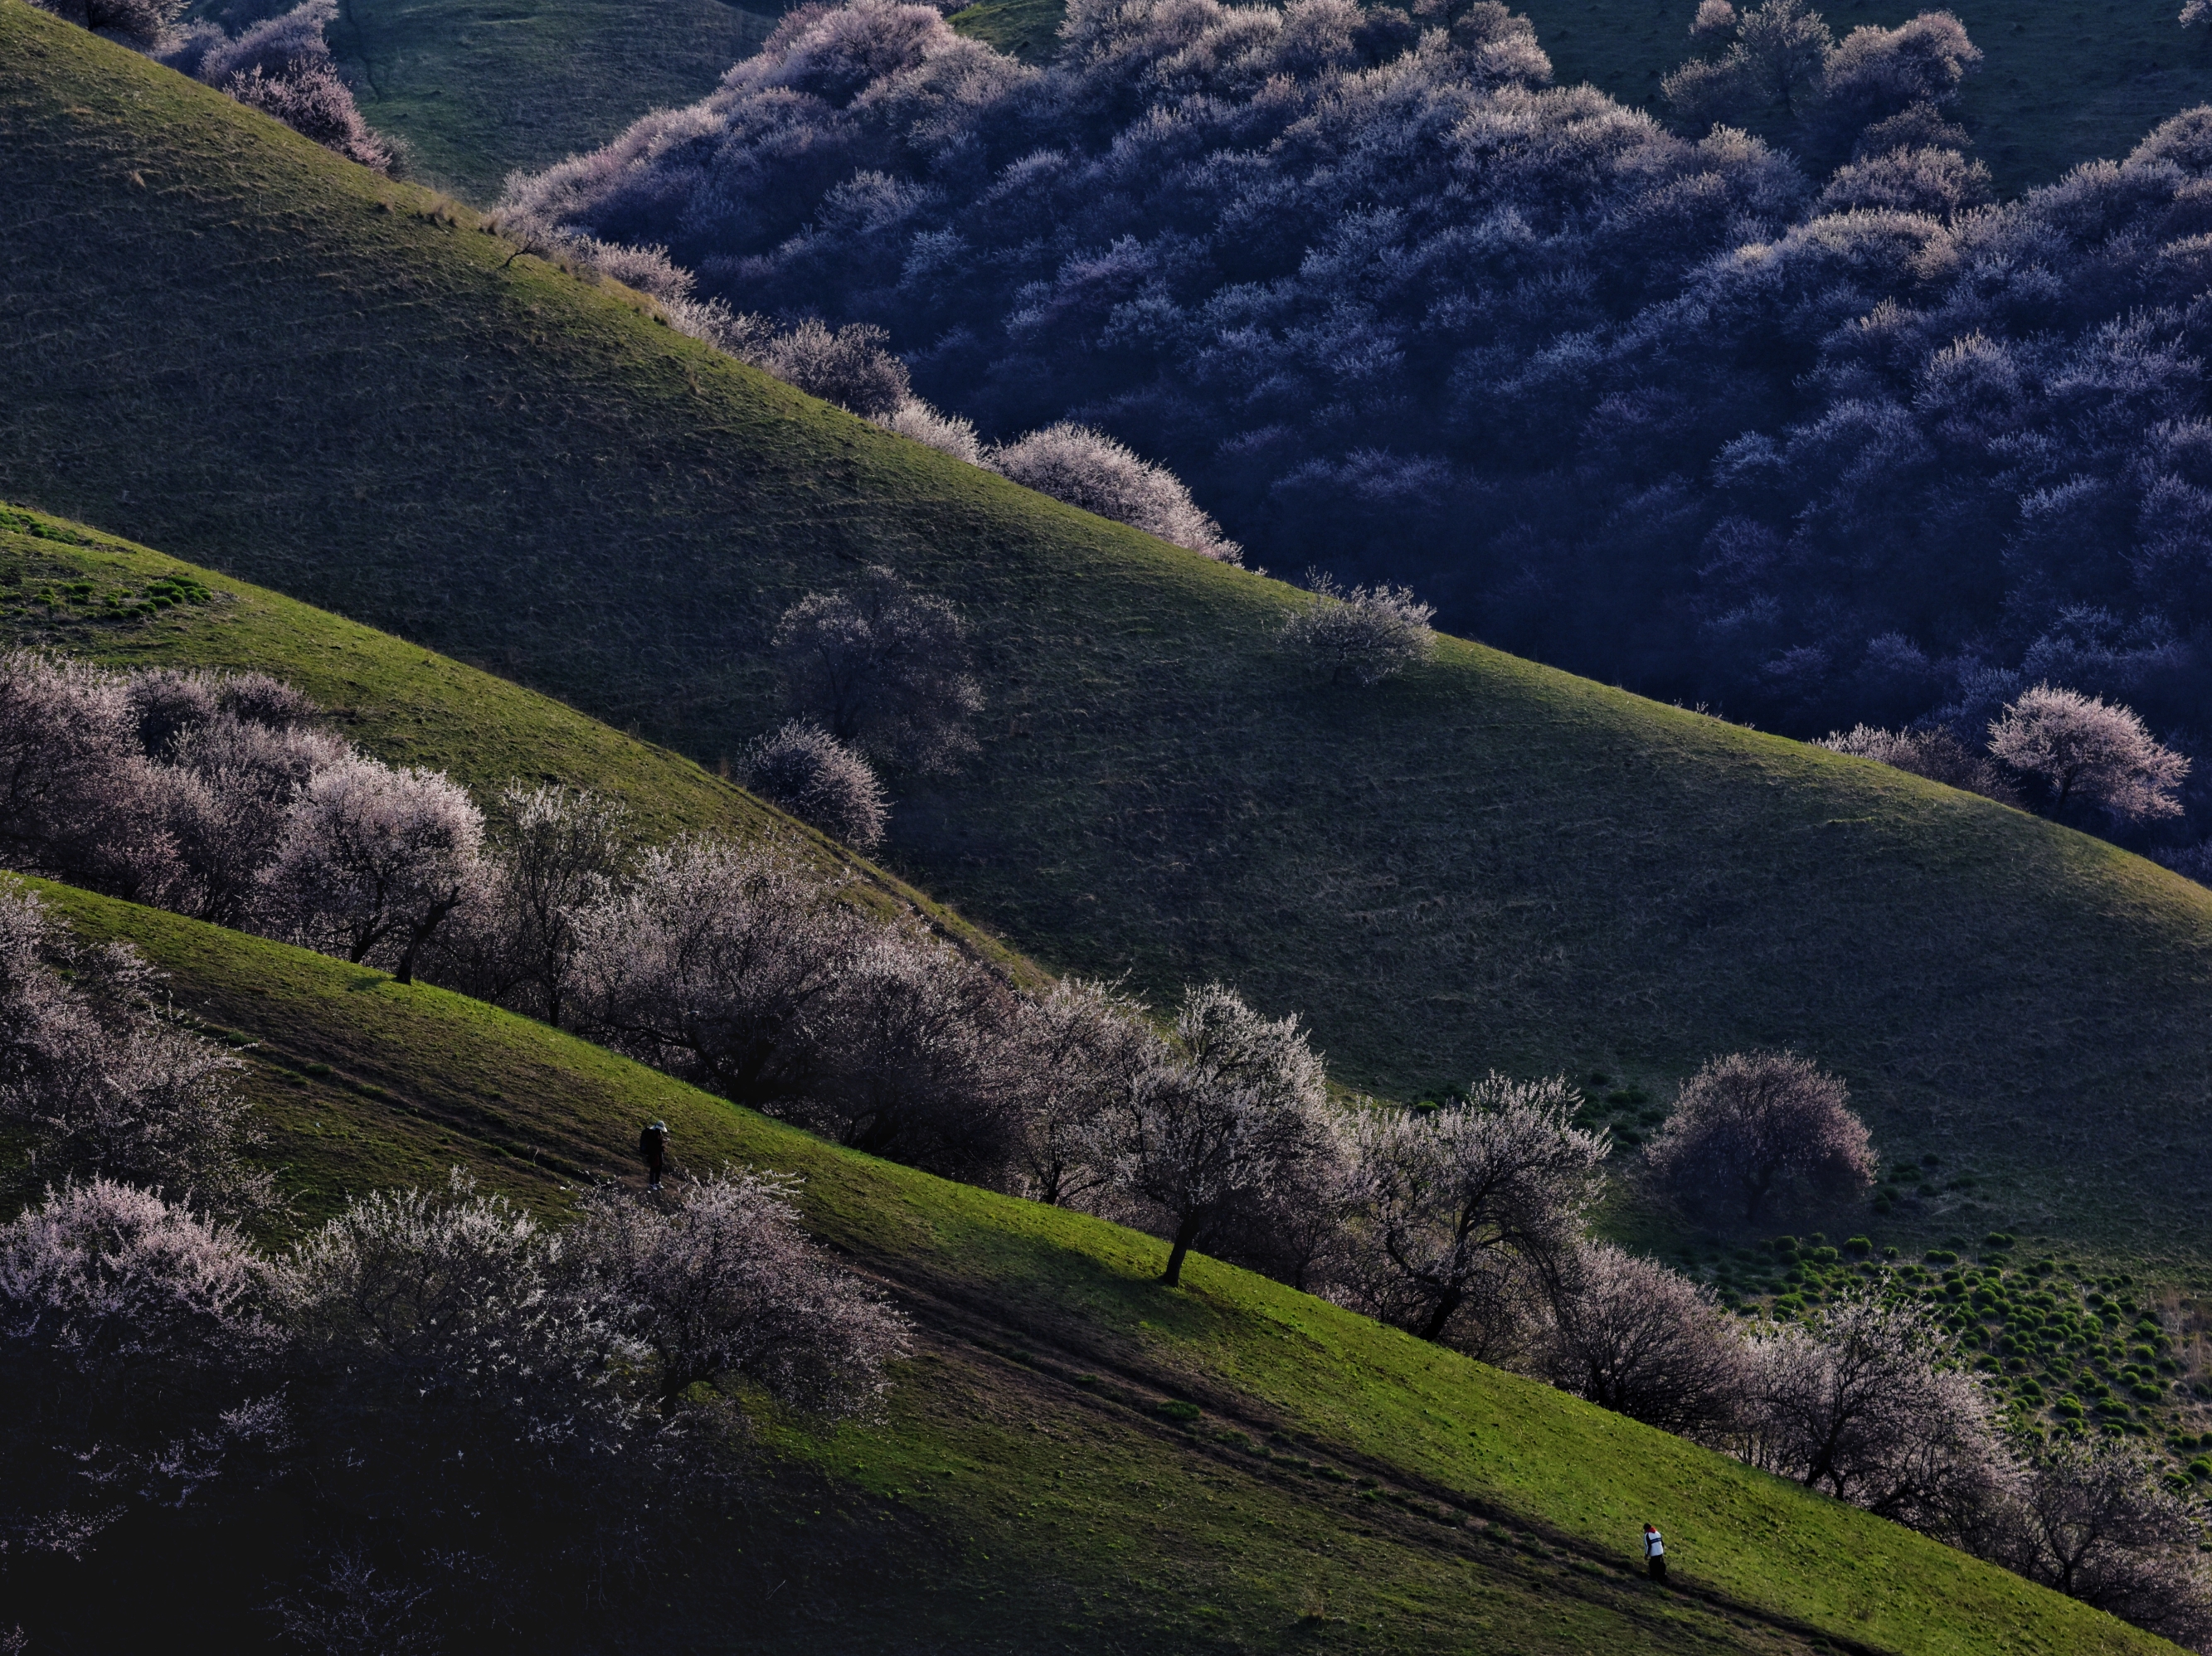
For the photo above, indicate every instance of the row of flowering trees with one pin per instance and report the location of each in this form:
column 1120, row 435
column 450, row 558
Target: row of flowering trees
column 742, row 968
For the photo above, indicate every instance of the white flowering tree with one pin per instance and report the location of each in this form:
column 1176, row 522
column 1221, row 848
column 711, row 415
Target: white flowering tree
column 2082, row 748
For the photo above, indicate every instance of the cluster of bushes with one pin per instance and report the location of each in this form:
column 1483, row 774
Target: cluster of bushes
column 431, row 1389
column 1683, row 409
column 2070, row 1354
column 279, row 65
column 1869, row 1392
column 1868, row 1399
column 2075, row 755
column 2090, row 1508
column 217, row 796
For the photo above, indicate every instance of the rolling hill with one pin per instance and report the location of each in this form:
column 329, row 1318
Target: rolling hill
column 225, row 343
column 1076, row 1458
column 391, row 699
column 476, row 90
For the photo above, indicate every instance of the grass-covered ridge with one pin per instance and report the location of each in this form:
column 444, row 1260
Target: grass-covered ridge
column 475, row 91
column 65, row 586
column 1077, row 1456
column 382, row 410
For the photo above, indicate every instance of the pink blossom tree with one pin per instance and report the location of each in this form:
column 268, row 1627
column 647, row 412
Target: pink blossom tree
column 1230, row 1103
column 1467, row 1215
column 1079, row 1049
column 135, row 1337
column 1866, row 1400
column 719, row 963
column 1749, row 1127
column 1631, row 1336
column 1087, row 469
column 914, row 1065
column 78, row 799
column 2096, row 1519
column 851, row 367
column 2082, row 748
column 884, row 668
column 1363, row 635
column 232, row 784
column 721, row 1283
column 446, row 1307
column 818, row 780
column 374, row 860
column 555, row 853
column 99, row 1081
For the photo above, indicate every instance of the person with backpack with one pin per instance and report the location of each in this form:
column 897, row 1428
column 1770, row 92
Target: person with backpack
column 1655, row 1553
column 652, row 1145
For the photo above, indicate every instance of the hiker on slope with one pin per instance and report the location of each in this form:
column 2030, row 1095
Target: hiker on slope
column 1655, row 1553
column 652, row 1145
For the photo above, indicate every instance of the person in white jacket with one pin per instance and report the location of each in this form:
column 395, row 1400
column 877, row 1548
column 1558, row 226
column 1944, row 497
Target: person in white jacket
column 1655, row 1553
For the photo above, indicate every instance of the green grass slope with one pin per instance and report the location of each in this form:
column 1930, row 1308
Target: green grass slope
column 66, row 587
column 1077, row 1457
column 474, row 89
column 224, row 342
column 2061, row 81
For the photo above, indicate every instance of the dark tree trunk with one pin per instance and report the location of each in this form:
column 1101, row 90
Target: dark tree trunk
column 1185, row 1234
column 404, row 973
column 1448, row 1302
column 1756, row 1191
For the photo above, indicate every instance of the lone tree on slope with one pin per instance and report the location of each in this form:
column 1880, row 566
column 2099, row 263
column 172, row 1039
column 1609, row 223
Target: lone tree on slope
column 2081, row 748
column 884, row 668
column 1361, row 633
column 1748, row 1126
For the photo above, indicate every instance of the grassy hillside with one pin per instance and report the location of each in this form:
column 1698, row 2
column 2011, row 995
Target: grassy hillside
column 67, row 587
column 475, row 88
column 87, row 593
column 1077, row 1457
column 226, row 343
column 2061, row 82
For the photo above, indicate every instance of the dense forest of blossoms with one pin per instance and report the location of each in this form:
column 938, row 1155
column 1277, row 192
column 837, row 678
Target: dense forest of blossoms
column 1775, row 411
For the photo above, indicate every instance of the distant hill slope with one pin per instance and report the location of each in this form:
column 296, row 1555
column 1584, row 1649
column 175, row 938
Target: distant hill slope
column 2060, row 84
column 226, row 343
column 1077, row 1457
column 477, row 89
